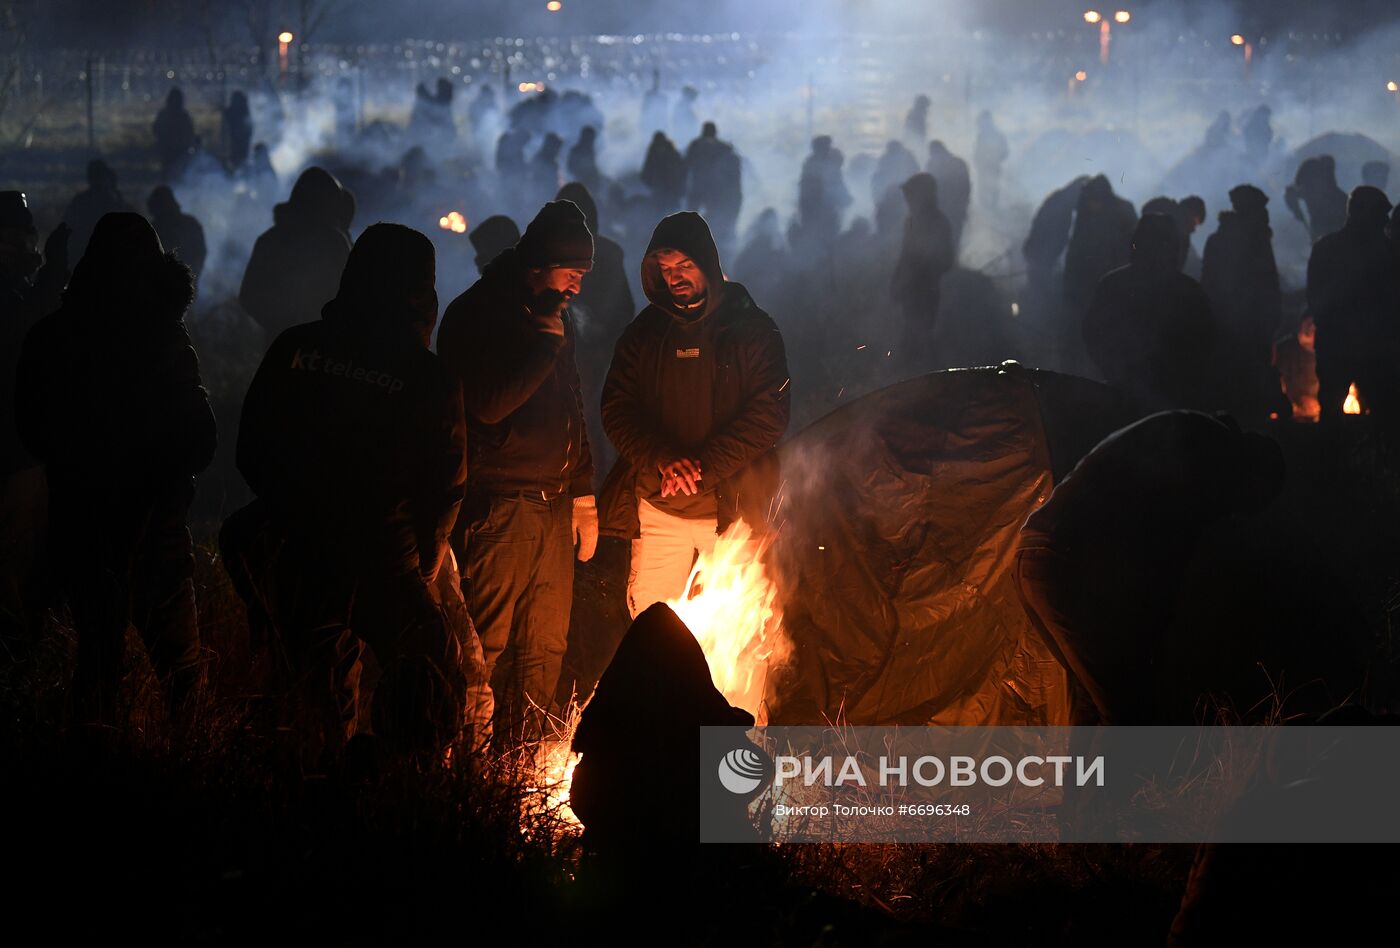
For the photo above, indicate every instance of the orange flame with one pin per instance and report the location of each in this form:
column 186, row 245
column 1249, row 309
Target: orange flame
column 453, row 221
column 731, row 608
column 1352, row 406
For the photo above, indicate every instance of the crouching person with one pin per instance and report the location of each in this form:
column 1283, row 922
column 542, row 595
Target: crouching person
column 354, row 441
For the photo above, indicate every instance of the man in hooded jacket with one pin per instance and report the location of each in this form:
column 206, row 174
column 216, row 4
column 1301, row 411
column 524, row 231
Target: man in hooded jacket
column 695, row 401
column 510, row 338
column 353, row 438
column 109, row 397
column 296, row 264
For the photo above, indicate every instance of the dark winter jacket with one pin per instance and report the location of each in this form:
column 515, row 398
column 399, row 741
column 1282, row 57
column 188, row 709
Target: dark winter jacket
column 523, row 397
column 108, row 391
column 1240, row 278
column 1351, row 281
column 749, row 400
column 296, row 265
column 1150, row 332
column 353, row 434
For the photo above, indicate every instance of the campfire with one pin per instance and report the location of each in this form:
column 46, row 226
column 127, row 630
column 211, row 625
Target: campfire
column 730, row 606
column 453, row 221
column 1352, row 406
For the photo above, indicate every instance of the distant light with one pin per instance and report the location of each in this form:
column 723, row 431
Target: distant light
column 284, row 37
column 554, row 6
column 531, row 87
column 1391, row 86
column 1092, row 16
column 1237, row 39
column 1122, row 16
column 1081, row 75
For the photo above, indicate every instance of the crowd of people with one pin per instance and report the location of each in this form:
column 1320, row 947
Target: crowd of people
column 422, row 490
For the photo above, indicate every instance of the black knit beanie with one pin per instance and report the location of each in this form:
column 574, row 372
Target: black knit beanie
column 557, row 237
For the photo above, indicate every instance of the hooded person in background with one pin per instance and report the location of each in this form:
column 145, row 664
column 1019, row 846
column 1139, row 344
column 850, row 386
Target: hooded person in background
column 1240, row 278
column 296, row 265
column 663, row 172
column 353, row 439
column 695, row 402
column 179, row 232
column 237, row 130
column 491, row 237
column 1100, row 241
column 1149, row 328
column 925, row 255
column 510, row 338
column 174, row 133
column 1315, row 199
column 582, row 163
column 30, row 288
column 1351, row 296
column 89, row 206
column 109, row 398
column 954, row 186
column 714, row 183
column 916, row 123
column 989, row 154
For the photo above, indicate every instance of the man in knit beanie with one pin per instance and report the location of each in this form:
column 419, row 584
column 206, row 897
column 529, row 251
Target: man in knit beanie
column 530, row 472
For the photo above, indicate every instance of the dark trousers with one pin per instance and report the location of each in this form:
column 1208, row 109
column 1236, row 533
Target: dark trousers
column 325, row 614
column 520, row 568
column 127, row 559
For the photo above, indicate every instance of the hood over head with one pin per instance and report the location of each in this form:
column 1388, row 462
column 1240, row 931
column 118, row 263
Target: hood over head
column 383, row 280
column 687, row 233
column 575, row 191
column 491, row 236
column 316, row 196
column 125, row 264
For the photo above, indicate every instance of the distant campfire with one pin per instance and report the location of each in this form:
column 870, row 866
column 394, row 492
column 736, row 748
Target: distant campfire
column 453, row 221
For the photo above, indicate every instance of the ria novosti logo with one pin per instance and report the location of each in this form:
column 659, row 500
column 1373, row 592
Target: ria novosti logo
column 742, row 770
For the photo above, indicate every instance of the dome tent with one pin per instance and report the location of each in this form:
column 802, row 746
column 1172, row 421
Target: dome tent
column 895, row 550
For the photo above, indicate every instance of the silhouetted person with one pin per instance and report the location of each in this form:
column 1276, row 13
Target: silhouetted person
column 1193, row 215
column 954, row 186
column 655, row 107
column 582, row 163
column 989, row 154
column 1241, row 280
column 89, row 206
column 695, row 402
column 237, row 130
column 353, row 439
column 684, row 123
column 483, row 110
column 663, row 172
column 179, row 232
column 1100, row 563
column 1149, row 329
column 764, row 260
column 261, row 173
column 1295, row 360
column 1376, row 174
column 510, row 338
column 296, row 265
column 1258, row 134
column 432, row 111
column 925, row 255
column 30, row 288
column 1173, row 210
column 895, row 166
column 822, row 199
column 1351, row 296
column 714, row 186
column 1049, row 235
column 109, row 398
column 1315, row 199
column 492, row 236
column 916, row 123
column 636, row 705
column 174, row 133
column 544, row 169
column 1100, row 241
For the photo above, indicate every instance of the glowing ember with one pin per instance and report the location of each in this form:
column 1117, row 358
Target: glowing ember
column 1352, row 406
column 731, row 608
column 453, row 221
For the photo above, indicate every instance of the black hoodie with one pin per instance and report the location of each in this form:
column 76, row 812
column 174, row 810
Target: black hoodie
column 653, row 408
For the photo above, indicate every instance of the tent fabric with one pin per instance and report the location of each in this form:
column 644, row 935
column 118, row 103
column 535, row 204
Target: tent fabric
column 895, row 550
